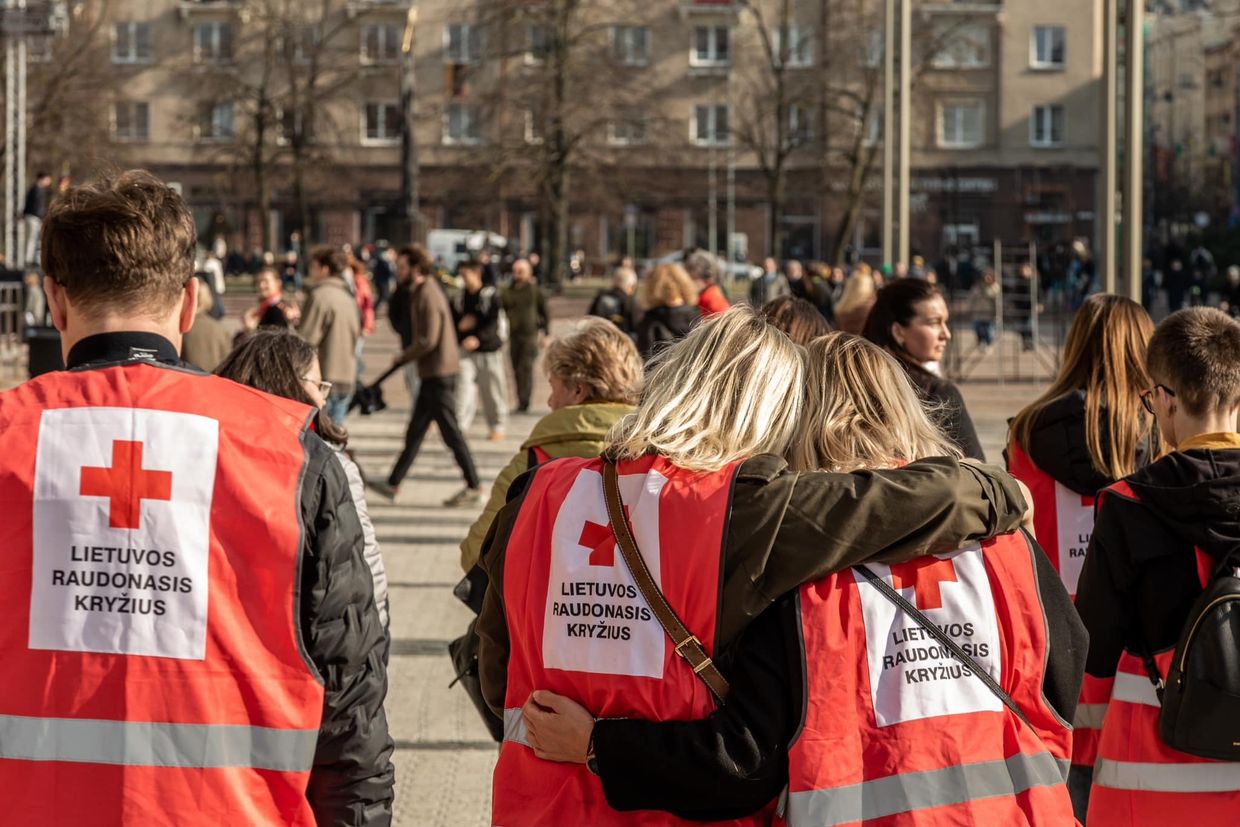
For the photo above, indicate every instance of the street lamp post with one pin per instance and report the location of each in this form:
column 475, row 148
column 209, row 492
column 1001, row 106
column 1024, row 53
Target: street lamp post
column 906, row 109
column 889, row 112
column 409, row 144
column 1110, row 150
column 1134, row 231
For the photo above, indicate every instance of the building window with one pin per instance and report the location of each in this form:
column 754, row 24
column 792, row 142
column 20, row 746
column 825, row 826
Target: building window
column 631, row 45
column 383, row 124
column 799, row 44
column 462, row 43
column 462, row 124
column 968, row 47
column 381, row 43
column 131, row 43
column 710, row 125
column 131, row 121
column 303, row 39
column 872, row 130
column 873, row 49
column 213, row 42
column 1046, row 126
column 217, row 123
column 293, row 126
column 960, row 125
column 1049, row 48
column 710, row 46
column 537, row 44
column 533, row 126
column 800, row 127
column 627, row 132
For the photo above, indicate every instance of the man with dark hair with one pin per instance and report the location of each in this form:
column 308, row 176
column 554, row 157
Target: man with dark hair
column 332, row 324
column 192, row 628
column 1158, row 535
column 37, row 198
column 434, row 349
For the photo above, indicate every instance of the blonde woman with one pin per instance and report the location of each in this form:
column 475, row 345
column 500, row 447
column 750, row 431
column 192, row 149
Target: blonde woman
column 723, row 525
column 846, row 701
column 670, row 300
column 855, row 302
column 595, row 375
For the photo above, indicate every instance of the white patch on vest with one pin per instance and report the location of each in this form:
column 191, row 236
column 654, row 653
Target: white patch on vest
column 912, row 675
column 1076, row 524
column 596, row 618
column 121, row 554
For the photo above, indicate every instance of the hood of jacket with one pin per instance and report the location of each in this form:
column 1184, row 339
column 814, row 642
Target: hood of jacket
column 575, row 424
column 1195, row 494
column 1057, row 445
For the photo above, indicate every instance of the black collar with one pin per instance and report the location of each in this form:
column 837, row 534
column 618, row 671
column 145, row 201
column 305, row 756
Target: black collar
column 113, row 348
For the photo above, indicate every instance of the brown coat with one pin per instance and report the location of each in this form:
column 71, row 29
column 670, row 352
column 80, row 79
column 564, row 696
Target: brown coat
column 434, row 345
column 331, row 323
column 206, row 343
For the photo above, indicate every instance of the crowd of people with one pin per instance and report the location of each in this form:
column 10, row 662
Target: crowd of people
column 751, row 567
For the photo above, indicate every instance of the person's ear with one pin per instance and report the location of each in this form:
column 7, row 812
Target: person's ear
column 897, row 335
column 57, row 304
column 189, row 304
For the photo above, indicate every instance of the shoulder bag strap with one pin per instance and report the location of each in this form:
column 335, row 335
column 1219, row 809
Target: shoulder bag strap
column 943, row 638
column 687, row 645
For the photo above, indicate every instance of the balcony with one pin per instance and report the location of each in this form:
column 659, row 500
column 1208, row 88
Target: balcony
column 190, row 7
column 688, row 8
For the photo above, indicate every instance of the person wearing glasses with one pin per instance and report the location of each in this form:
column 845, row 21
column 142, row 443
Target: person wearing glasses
column 1159, row 534
column 1084, row 433
column 279, row 362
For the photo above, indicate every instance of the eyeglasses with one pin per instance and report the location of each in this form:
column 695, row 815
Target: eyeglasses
column 1145, row 397
column 324, row 386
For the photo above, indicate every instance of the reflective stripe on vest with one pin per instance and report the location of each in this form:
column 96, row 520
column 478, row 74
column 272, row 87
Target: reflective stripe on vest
column 1135, row 689
column 1089, row 716
column 883, row 797
column 514, row 727
column 143, row 744
column 1168, row 778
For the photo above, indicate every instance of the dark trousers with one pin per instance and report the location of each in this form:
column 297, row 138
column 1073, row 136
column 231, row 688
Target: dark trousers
column 436, row 403
column 523, row 350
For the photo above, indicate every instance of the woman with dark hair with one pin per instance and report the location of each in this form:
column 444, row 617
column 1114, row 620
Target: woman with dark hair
column 796, row 317
column 281, row 363
column 909, row 320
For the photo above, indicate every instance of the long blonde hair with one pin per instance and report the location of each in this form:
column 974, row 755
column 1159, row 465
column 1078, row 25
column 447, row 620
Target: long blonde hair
column 862, row 411
column 731, row 389
column 667, row 284
column 1104, row 355
column 859, row 291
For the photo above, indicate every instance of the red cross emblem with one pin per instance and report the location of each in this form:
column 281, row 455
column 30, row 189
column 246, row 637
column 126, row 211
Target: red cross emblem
column 924, row 575
column 126, row 484
column 603, row 542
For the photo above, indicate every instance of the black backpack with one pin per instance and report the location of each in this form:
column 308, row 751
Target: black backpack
column 1201, row 694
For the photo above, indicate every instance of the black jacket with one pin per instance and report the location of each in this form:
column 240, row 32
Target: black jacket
column 1140, row 577
column 663, row 325
column 731, row 764
column 947, row 407
column 352, row 781
column 616, row 306
column 399, row 313
column 484, row 307
column 1057, row 445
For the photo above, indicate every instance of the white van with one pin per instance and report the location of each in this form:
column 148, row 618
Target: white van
column 450, row 247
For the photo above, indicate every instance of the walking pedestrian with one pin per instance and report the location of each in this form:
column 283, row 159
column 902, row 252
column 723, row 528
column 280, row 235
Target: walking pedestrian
column 618, row 304
column 983, row 308
column 206, row 343
column 723, row 524
column 189, row 636
column 526, row 307
column 481, row 328
column 669, row 300
column 330, row 322
column 770, row 285
column 909, row 319
column 400, row 316
column 1087, row 431
column 829, row 701
column 279, row 362
column 273, row 309
column 434, row 350
column 1164, row 534
column 595, row 373
column 33, row 213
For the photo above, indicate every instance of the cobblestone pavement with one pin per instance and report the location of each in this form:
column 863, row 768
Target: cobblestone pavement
column 444, row 756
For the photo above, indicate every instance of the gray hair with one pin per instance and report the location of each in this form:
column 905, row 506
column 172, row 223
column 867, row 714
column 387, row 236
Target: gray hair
column 702, row 265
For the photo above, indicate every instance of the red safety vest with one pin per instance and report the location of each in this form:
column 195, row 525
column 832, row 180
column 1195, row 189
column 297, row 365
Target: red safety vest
column 1064, row 521
column 898, row 731
column 150, row 543
column 578, row 626
column 1138, row 779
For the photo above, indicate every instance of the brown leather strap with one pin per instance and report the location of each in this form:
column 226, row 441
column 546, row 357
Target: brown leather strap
column 687, row 645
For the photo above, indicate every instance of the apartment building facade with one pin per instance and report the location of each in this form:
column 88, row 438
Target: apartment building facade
column 672, row 101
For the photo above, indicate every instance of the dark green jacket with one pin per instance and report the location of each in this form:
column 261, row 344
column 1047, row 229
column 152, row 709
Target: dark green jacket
column 527, row 310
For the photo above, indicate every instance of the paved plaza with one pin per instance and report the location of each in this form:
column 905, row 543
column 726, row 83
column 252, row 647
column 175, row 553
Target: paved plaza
column 444, row 756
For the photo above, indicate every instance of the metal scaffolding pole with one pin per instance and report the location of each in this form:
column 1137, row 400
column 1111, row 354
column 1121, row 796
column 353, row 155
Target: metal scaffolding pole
column 1110, row 146
column 20, row 177
column 1134, row 229
column 889, row 110
column 906, row 123
column 10, row 156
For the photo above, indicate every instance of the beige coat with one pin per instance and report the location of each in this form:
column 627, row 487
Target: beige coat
column 434, row 345
column 331, row 323
column 207, row 343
